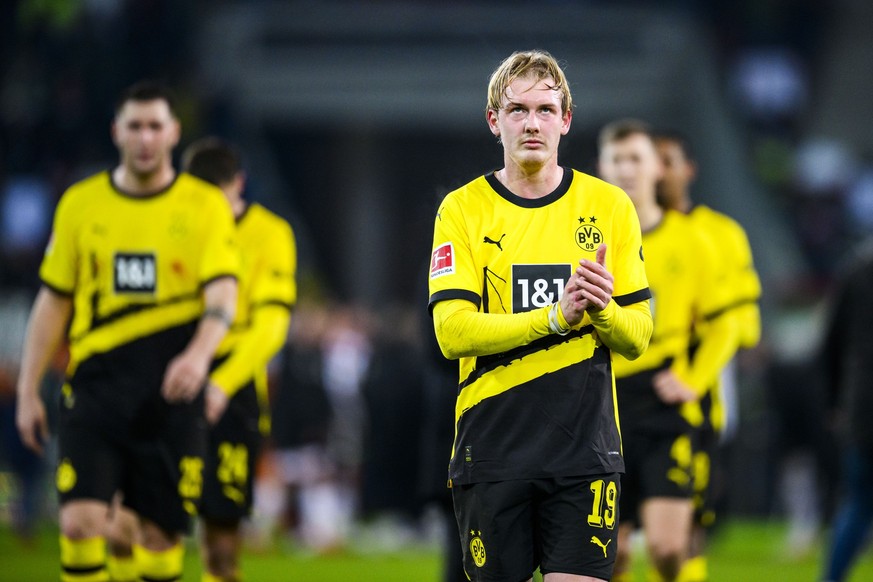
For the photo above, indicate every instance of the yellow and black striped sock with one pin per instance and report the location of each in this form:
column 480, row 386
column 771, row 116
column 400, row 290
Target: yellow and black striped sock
column 83, row 560
column 165, row 566
column 122, row 568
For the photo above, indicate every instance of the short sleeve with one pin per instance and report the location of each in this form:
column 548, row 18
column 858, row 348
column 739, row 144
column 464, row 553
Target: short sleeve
column 453, row 273
column 220, row 250
column 60, row 262
column 275, row 282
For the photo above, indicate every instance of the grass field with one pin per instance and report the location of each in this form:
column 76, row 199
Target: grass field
column 744, row 551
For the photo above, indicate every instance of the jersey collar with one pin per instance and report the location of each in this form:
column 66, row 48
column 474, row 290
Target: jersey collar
column 552, row 196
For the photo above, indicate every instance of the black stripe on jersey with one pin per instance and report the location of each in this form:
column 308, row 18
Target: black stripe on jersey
column 509, row 196
column 447, row 294
column 485, row 284
column 97, row 321
column 631, row 298
column 272, row 302
column 485, row 364
column 56, row 290
column 730, row 307
column 217, row 277
column 153, row 579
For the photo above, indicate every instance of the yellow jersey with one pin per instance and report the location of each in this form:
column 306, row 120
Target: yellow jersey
column 546, row 408
column 135, row 266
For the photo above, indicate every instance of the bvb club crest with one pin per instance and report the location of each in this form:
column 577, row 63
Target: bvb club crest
column 588, row 237
column 477, row 549
column 65, row 478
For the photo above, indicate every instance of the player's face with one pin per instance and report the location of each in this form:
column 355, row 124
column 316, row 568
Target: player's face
column 678, row 170
column 530, row 123
column 145, row 133
column 633, row 165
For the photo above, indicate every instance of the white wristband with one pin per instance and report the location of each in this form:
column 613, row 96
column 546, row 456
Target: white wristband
column 554, row 322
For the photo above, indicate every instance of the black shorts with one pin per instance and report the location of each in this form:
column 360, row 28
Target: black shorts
column 234, row 444
column 155, row 458
column 656, row 465
column 562, row 524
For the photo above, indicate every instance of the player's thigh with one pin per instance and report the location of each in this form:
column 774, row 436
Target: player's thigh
column 496, row 522
column 578, row 525
column 667, row 523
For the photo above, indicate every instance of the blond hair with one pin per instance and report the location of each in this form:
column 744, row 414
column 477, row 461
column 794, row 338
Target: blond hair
column 535, row 64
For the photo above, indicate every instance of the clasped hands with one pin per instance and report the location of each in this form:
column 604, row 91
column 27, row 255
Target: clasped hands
column 589, row 288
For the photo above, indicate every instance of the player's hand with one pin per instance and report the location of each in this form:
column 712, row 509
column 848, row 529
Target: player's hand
column 185, row 377
column 671, row 389
column 30, row 419
column 595, row 283
column 216, row 403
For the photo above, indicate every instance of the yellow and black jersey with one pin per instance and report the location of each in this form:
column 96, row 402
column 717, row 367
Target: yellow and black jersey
column 266, row 293
column 734, row 257
column 687, row 287
column 545, row 408
column 135, row 266
column 734, row 254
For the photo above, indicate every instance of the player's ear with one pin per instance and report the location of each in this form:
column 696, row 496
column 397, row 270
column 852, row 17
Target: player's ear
column 491, row 118
column 176, row 130
column 565, row 125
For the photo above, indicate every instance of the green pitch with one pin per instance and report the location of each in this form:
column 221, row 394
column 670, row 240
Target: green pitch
column 743, row 551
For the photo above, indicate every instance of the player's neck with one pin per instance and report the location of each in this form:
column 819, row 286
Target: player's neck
column 649, row 213
column 136, row 184
column 238, row 206
column 682, row 203
column 530, row 184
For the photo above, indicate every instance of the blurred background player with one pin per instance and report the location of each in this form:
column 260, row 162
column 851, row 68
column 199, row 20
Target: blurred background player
column 658, row 393
column 236, row 400
column 237, row 406
column 846, row 358
column 718, row 403
column 145, row 262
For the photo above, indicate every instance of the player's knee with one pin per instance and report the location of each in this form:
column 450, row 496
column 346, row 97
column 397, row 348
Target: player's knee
column 82, row 525
column 667, row 556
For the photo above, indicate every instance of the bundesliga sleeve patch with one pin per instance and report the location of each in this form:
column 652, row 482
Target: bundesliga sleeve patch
column 442, row 262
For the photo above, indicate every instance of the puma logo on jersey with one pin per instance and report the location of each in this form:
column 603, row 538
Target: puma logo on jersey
column 595, row 540
column 495, row 242
column 135, row 273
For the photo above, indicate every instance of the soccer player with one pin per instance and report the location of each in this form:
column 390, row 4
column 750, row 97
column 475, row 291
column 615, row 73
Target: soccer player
column 536, row 282
column 658, row 392
column 236, row 396
column 735, row 259
column 144, row 261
